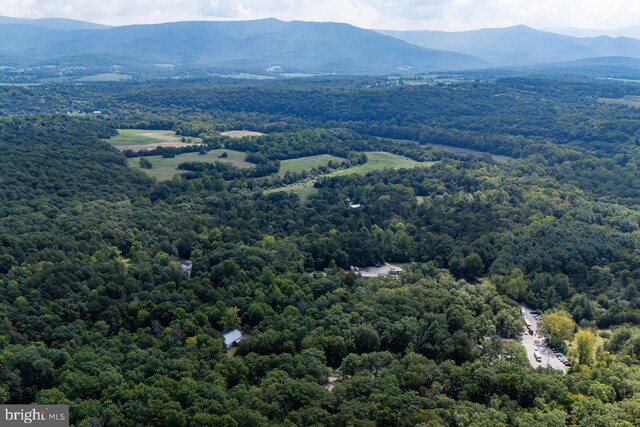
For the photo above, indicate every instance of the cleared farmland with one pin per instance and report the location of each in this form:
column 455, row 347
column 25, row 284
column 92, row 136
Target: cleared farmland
column 143, row 139
column 378, row 160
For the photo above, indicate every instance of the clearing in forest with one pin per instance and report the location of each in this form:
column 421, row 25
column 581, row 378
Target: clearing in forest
column 241, row 133
column 306, row 163
column 143, row 139
column 164, row 169
column 378, row 160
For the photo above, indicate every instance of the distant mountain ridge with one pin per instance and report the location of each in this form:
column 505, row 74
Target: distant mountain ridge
column 54, row 23
column 632, row 32
column 227, row 45
column 271, row 45
column 521, row 45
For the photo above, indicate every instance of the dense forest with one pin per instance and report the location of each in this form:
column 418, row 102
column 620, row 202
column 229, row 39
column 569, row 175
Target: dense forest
column 97, row 311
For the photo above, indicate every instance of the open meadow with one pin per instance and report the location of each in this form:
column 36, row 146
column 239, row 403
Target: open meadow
column 306, row 163
column 144, row 139
column 241, row 133
column 378, row 160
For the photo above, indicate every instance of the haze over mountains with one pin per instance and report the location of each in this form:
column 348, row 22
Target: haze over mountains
column 521, row 45
column 290, row 47
column 54, row 23
column 231, row 46
column 633, row 32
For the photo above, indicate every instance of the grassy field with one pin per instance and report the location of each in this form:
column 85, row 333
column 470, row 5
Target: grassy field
column 241, row 133
column 165, row 169
column 306, row 163
column 141, row 139
column 377, row 160
column 131, row 137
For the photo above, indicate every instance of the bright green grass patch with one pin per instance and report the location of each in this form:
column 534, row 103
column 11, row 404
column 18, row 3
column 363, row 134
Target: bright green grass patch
column 306, row 163
column 144, row 139
column 166, row 168
column 132, row 137
column 378, row 160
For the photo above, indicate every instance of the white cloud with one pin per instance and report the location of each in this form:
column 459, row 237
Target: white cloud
column 391, row 14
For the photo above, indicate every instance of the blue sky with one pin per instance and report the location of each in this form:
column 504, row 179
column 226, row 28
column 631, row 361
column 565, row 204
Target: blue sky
column 382, row 14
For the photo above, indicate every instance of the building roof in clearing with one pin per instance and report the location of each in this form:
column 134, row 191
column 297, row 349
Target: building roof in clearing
column 231, row 337
column 186, row 266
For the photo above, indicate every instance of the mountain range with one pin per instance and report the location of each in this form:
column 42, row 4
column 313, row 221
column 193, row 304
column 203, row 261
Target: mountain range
column 291, row 47
column 521, row 45
column 227, row 46
column 633, row 32
column 54, row 23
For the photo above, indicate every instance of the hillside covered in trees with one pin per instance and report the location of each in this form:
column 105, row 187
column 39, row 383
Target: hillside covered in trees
column 98, row 313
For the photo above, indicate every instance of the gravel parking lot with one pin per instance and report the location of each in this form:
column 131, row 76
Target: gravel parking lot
column 531, row 342
column 378, row 271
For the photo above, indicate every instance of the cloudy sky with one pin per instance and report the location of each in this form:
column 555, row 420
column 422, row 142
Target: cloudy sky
column 382, row 14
